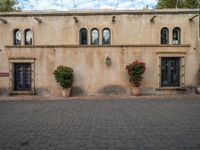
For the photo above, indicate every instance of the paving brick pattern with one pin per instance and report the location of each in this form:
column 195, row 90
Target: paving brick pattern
column 100, row 125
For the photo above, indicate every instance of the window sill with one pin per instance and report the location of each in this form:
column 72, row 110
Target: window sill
column 22, row 93
column 98, row 46
column 171, row 88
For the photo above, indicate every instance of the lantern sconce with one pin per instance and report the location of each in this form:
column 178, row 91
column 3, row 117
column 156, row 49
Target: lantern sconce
column 108, row 61
column 122, row 50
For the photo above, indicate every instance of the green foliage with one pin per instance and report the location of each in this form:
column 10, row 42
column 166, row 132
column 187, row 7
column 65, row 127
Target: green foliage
column 179, row 4
column 8, row 5
column 192, row 4
column 166, row 4
column 64, row 76
column 135, row 71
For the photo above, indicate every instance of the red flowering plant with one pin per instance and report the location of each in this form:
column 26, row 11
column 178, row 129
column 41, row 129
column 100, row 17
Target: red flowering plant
column 135, row 71
column 64, row 76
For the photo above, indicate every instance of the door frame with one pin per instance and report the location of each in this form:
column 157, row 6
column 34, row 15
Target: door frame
column 181, row 55
column 11, row 76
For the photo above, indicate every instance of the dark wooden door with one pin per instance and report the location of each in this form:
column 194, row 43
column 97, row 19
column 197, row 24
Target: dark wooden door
column 22, row 76
column 170, row 71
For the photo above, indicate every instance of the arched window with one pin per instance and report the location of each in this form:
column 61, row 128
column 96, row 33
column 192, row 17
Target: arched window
column 164, row 36
column 17, row 37
column 83, row 36
column 94, row 37
column 28, row 36
column 176, row 36
column 106, row 36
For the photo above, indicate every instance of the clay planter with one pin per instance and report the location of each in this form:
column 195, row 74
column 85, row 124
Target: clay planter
column 198, row 90
column 66, row 92
column 135, row 91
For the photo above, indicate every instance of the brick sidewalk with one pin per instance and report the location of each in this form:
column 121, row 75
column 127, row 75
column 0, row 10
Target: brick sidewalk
column 100, row 125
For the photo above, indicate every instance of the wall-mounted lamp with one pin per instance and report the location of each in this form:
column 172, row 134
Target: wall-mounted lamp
column 113, row 19
column 75, row 19
column 122, row 50
column 108, row 61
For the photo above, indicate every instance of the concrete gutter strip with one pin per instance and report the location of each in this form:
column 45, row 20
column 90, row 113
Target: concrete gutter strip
column 101, row 97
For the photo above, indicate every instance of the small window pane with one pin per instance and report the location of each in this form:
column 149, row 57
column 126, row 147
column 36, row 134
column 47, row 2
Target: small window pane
column 17, row 37
column 95, row 37
column 176, row 36
column 164, row 36
column 28, row 37
column 83, row 37
column 106, row 36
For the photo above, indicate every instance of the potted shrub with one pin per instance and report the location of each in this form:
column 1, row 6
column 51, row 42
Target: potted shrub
column 135, row 71
column 64, row 76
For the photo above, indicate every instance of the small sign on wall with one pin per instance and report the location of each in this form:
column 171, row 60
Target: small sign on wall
column 4, row 74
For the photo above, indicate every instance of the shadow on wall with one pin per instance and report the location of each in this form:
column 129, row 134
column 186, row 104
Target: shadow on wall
column 112, row 90
column 77, row 91
column 42, row 92
column 3, row 92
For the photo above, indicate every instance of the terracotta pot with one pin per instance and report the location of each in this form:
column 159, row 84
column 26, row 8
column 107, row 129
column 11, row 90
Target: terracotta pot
column 66, row 92
column 198, row 90
column 135, row 91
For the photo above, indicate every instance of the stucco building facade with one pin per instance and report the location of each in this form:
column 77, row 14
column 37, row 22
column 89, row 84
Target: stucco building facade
column 33, row 44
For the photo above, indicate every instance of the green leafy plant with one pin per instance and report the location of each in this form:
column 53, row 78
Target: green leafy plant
column 64, row 76
column 135, row 71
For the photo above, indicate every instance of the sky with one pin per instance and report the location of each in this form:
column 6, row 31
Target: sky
column 63, row 5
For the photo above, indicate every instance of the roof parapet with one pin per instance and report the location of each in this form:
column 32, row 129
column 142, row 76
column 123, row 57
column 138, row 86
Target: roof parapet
column 100, row 12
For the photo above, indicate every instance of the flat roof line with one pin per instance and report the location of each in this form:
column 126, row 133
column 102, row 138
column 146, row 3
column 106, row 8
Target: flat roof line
column 100, row 12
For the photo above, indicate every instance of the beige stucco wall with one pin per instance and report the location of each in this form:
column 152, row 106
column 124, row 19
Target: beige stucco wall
column 127, row 29
column 133, row 36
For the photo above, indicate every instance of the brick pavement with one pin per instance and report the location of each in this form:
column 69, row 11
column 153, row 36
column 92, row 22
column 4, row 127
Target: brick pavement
column 100, row 125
